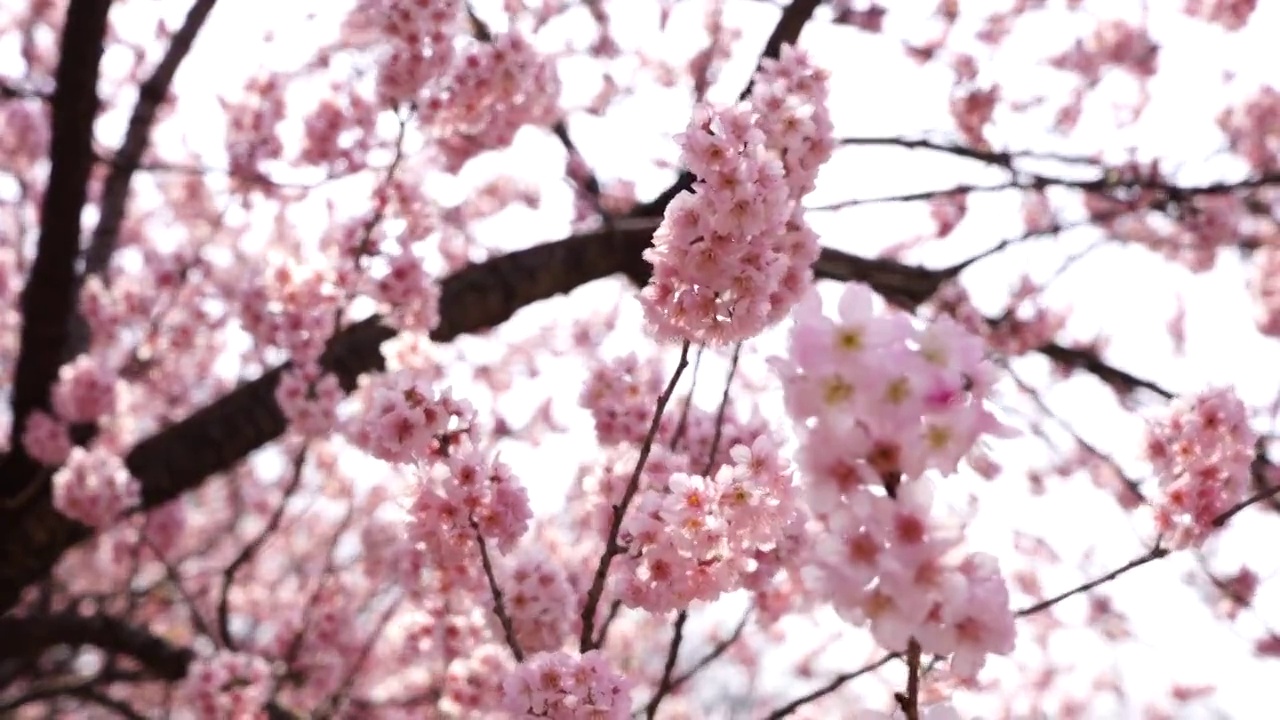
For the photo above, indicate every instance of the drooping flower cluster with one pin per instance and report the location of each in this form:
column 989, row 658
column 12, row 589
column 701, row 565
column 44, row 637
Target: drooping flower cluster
column 732, row 258
column 470, row 487
column 293, row 307
column 420, row 35
column 565, row 686
column 621, row 394
column 227, row 685
column 1202, row 452
column 461, row 489
column 46, row 438
column 540, row 601
column 474, row 96
column 94, row 487
column 495, row 89
column 881, row 403
column 309, row 399
column 692, row 537
column 407, row 420
column 85, row 391
column 880, row 396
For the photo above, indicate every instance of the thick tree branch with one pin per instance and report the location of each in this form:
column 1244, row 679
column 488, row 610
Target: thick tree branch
column 33, row 535
column 27, row 637
column 48, row 297
column 214, row 439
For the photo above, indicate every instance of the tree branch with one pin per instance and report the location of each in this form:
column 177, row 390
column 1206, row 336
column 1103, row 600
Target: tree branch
column 27, row 637
column 48, row 297
column 178, row 458
column 115, row 191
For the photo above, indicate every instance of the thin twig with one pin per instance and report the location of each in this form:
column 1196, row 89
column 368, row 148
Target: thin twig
column 724, row 407
column 1155, row 553
column 836, row 683
column 716, row 652
column 499, row 605
column 910, row 700
column 683, row 422
column 251, row 548
column 612, row 548
column 673, row 652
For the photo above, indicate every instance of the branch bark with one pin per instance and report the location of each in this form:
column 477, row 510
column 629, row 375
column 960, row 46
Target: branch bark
column 33, row 535
column 48, row 297
column 27, row 637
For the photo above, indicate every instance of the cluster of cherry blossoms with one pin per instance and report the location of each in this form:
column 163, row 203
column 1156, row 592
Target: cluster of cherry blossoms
column 94, row 487
column 463, row 493
column 1202, row 452
column 567, row 685
column 693, row 537
column 716, row 507
column 474, row 96
column 882, row 404
column 227, row 684
column 540, row 599
column 84, row 392
column 733, row 257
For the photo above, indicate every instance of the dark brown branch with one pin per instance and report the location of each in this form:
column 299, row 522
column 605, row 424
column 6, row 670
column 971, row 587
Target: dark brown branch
column 48, row 297
column 673, row 653
column 178, row 458
column 499, row 602
column 26, row 637
column 612, row 547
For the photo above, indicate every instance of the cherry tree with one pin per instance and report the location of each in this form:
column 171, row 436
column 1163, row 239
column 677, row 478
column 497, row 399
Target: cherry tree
column 309, row 416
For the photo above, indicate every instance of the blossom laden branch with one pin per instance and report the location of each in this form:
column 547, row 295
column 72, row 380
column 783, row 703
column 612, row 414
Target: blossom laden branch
column 48, row 298
column 33, row 535
column 588, row 641
column 786, row 32
column 499, row 603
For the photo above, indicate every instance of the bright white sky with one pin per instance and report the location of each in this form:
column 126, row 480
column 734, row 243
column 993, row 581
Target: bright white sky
column 878, row 92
